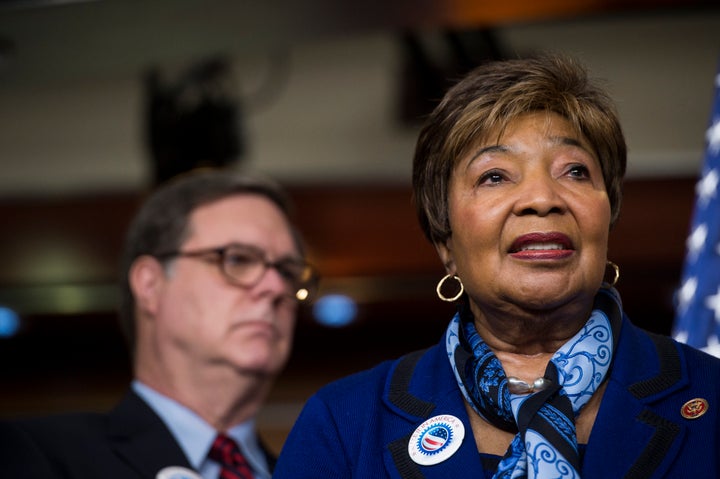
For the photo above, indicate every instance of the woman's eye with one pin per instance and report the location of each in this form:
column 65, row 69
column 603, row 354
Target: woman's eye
column 491, row 178
column 579, row 171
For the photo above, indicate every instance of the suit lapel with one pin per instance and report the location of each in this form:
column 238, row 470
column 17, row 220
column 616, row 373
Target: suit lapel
column 630, row 439
column 141, row 439
column 433, row 392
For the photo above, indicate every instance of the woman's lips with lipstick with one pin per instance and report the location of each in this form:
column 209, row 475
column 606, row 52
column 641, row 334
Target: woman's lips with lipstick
column 542, row 246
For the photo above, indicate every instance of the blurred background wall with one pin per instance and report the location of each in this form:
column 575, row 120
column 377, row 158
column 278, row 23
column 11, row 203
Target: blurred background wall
column 101, row 99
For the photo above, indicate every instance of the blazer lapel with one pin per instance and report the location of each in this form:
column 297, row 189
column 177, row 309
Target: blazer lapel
column 630, row 439
column 433, row 393
column 141, row 439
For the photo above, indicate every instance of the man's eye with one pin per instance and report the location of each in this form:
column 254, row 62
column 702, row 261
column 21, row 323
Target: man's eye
column 239, row 259
column 290, row 270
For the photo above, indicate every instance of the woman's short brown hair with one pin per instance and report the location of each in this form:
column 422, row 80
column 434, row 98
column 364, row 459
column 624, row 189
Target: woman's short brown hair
column 489, row 98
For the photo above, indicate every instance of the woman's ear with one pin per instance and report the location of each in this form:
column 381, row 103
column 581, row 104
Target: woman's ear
column 444, row 250
column 146, row 278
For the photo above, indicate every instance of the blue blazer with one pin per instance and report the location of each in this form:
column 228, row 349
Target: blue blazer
column 359, row 426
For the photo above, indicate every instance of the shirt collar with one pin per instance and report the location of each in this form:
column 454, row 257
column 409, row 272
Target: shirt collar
column 195, row 436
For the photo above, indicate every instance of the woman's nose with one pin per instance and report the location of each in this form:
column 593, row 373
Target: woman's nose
column 539, row 194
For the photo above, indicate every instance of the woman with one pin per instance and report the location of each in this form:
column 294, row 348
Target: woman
column 517, row 179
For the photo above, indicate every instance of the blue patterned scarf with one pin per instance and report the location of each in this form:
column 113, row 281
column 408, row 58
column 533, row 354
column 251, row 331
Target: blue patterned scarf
column 545, row 443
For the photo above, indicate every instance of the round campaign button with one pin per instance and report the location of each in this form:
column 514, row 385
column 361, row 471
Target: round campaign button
column 177, row 472
column 436, row 439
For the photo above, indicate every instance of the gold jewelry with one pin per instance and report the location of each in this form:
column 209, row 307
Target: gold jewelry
column 440, row 285
column 616, row 273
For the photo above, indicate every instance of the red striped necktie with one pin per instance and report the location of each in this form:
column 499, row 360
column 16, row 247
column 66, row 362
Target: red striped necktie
column 233, row 464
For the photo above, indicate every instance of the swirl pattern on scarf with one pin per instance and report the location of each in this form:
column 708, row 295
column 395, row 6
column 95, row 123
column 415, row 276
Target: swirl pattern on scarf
column 545, row 443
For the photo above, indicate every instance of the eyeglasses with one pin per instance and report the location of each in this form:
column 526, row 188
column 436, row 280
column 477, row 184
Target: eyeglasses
column 245, row 265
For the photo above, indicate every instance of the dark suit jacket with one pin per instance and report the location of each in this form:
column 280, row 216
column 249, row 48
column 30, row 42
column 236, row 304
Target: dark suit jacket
column 129, row 442
column 360, row 426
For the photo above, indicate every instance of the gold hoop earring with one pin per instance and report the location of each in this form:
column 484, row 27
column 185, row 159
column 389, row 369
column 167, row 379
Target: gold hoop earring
column 616, row 273
column 440, row 285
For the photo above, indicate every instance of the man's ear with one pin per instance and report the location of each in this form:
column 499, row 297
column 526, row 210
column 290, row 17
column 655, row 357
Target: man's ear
column 444, row 250
column 146, row 278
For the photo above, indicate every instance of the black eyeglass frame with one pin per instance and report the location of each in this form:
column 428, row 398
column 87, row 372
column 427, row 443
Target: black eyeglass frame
column 304, row 284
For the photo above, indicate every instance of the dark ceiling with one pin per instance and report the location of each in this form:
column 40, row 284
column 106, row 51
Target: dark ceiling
column 66, row 39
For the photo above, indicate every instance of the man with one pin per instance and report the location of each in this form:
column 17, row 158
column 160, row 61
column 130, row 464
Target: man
column 213, row 272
